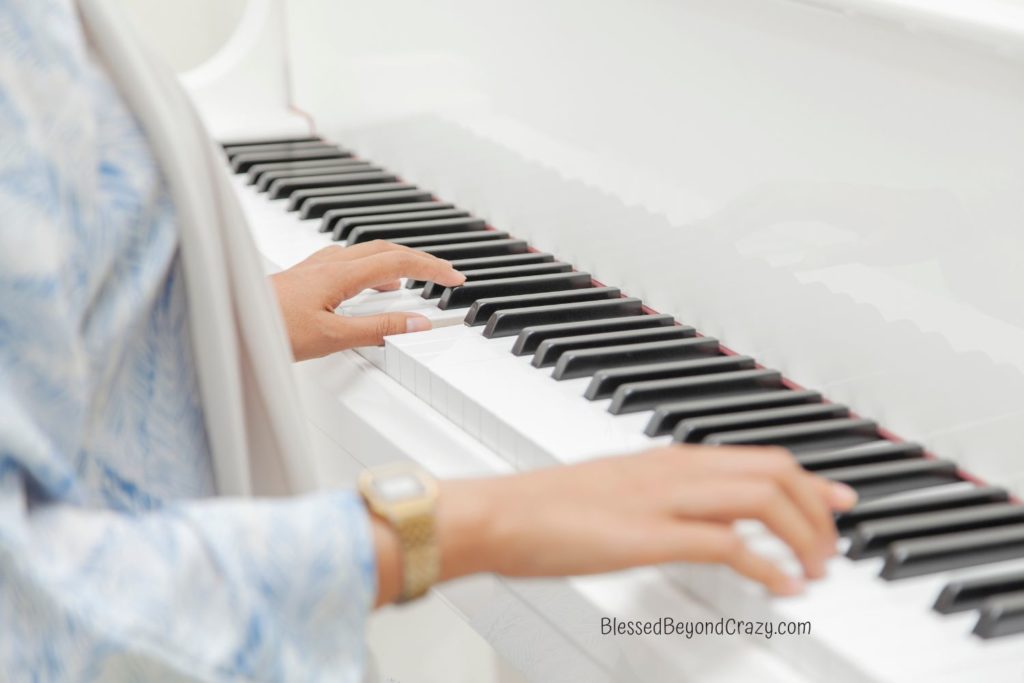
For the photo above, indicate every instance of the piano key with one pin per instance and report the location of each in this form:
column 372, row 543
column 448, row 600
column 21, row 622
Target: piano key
column 696, row 429
column 299, row 198
column 341, row 166
column 235, row 150
column 667, row 415
column 801, row 438
column 586, row 362
column 870, row 539
column 256, row 173
column 454, row 252
column 449, row 238
column 511, row 322
column 633, row 397
column 605, row 382
column 886, row 478
column 243, row 162
column 333, row 220
column 918, row 557
column 1000, row 617
column 886, row 508
column 347, row 225
column 270, row 141
column 967, row 594
column 432, row 290
column 482, row 309
column 531, row 337
column 863, row 454
column 551, row 350
column 464, row 295
column 487, row 262
column 283, row 188
column 402, row 229
column 316, row 207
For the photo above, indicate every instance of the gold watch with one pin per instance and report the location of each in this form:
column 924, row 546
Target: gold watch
column 405, row 496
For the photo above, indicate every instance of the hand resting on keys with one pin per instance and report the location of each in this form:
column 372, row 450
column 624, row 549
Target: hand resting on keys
column 309, row 291
column 674, row 504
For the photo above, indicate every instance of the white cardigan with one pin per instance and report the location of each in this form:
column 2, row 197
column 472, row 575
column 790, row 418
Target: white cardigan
column 256, row 430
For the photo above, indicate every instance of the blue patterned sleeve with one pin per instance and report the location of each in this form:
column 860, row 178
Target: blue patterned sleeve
column 116, row 561
column 218, row 590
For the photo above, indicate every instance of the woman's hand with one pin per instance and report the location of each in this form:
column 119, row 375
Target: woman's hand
column 309, row 291
column 674, row 504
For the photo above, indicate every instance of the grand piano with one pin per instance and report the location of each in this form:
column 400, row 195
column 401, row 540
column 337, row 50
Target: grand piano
column 790, row 222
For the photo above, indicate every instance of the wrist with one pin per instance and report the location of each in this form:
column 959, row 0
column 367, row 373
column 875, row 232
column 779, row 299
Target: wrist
column 388, row 551
column 466, row 521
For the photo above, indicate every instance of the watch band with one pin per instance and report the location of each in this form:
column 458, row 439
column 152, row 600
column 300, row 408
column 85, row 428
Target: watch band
column 413, row 519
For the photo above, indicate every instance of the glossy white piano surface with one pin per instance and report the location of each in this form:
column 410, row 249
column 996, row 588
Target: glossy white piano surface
column 834, row 187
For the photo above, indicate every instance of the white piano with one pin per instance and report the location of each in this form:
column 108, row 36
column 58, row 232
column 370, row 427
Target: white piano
column 827, row 196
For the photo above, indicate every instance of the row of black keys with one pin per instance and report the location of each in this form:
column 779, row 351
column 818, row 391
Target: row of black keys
column 644, row 361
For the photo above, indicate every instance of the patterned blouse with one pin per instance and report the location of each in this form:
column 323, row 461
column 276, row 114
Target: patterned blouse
column 116, row 561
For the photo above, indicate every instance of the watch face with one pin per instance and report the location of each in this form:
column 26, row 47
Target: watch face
column 398, row 488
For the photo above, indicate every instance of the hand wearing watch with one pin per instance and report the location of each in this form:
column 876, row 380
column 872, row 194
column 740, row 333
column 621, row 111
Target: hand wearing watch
column 405, row 496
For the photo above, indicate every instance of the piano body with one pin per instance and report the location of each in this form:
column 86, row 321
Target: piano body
column 833, row 190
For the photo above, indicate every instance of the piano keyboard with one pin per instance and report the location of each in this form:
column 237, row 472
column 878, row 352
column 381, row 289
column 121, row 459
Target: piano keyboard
column 545, row 365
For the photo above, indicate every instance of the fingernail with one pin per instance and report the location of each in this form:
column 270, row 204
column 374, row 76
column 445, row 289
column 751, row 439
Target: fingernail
column 417, row 324
column 843, row 497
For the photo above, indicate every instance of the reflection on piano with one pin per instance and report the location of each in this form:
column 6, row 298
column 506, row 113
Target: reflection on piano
column 834, row 196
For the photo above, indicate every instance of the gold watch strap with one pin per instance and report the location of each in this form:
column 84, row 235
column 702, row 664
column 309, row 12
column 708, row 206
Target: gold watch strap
column 421, row 561
column 412, row 518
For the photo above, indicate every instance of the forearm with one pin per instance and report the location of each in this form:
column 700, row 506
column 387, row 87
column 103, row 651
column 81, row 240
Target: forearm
column 206, row 590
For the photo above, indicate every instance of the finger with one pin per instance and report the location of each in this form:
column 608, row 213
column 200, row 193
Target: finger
column 706, row 542
column 389, row 286
column 349, row 332
column 729, row 500
column 352, row 277
column 338, row 254
column 803, row 488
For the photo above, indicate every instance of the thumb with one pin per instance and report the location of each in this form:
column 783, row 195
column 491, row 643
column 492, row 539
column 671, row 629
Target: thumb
column 370, row 330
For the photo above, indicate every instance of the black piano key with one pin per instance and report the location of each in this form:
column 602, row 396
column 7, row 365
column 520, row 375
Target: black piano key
column 482, row 309
column 1000, row 617
column 333, row 219
column 403, row 229
column 432, row 290
column 551, row 350
column 464, row 295
column 921, row 556
column 511, row 322
column 667, row 416
column 697, row 429
column 272, row 140
column 298, row 199
column 345, row 226
column 531, row 337
column 634, row 397
column 605, row 382
column 864, row 454
column 870, row 539
column 286, row 187
column 815, row 436
column 261, row 148
column 450, row 238
column 256, row 173
column 586, row 362
column 887, row 508
column 243, row 162
column 966, row 594
column 341, row 166
column 316, row 207
column 454, row 252
column 886, row 478
column 486, row 262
